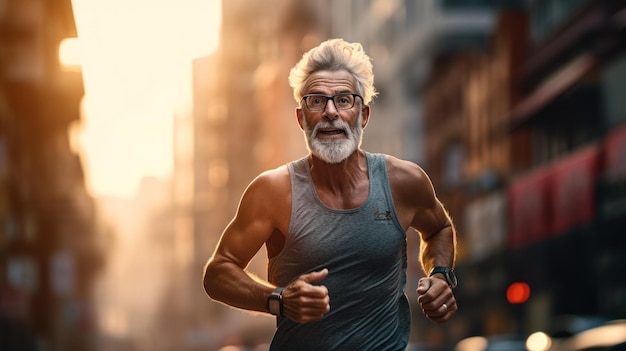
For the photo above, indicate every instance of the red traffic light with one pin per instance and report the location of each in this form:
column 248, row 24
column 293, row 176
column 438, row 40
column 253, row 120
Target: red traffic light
column 518, row 293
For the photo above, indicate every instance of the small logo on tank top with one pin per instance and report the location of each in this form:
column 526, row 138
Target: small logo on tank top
column 382, row 215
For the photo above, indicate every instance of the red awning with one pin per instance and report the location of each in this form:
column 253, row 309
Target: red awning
column 615, row 153
column 528, row 205
column 573, row 189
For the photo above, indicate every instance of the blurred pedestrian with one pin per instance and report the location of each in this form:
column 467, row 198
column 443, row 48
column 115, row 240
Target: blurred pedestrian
column 334, row 224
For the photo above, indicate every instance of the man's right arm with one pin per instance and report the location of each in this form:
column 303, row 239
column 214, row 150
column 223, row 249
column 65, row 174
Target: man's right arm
column 225, row 277
column 263, row 216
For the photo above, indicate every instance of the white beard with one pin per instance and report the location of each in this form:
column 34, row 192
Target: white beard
column 334, row 150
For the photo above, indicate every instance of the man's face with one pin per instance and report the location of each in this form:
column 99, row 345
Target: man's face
column 331, row 134
column 333, row 150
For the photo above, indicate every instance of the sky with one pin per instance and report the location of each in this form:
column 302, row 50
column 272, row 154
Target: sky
column 135, row 57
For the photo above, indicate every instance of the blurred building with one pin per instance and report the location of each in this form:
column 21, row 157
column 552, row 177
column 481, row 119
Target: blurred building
column 49, row 244
column 572, row 79
column 468, row 97
column 536, row 128
column 138, row 294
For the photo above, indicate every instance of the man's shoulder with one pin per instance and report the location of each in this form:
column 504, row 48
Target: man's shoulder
column 400, row 165
column 277, row 178
column 401, row 171
column 409, row 183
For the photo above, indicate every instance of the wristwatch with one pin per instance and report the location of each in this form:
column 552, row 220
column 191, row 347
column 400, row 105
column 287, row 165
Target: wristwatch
column 275, row 302
column 447, row 272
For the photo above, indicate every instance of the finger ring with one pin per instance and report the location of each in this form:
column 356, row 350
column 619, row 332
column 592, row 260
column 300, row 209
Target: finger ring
column 445, row 307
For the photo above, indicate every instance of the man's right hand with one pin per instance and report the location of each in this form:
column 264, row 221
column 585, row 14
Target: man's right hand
column 304, row 302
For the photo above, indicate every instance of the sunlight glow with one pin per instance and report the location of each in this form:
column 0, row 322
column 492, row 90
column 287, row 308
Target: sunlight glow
column 70, row 53
column 136, row 61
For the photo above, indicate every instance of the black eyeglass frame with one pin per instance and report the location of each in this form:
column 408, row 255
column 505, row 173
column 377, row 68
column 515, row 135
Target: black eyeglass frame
column 330, row 97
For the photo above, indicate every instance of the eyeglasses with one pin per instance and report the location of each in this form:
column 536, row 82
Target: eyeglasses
column 317, row 102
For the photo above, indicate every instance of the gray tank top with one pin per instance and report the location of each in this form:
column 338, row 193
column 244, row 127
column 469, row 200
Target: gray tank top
column 364, row 250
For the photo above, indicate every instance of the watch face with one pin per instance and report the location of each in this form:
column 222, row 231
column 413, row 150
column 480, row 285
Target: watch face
column 274, row 306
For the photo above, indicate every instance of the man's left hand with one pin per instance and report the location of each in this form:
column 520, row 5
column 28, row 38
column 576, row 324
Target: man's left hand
column 436, row 299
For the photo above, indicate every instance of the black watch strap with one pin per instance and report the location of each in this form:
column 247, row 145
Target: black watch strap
column 447, row 272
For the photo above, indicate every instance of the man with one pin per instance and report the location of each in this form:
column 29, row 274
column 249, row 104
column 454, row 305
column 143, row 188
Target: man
column 334, row 224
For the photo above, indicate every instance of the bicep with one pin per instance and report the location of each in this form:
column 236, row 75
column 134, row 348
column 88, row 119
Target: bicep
column 430, row 220
column 427, row 214
column 240, row 242
column 249, row 230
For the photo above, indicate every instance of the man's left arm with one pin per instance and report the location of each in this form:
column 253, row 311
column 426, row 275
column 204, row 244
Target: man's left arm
column 418, row 207
column 437, row 255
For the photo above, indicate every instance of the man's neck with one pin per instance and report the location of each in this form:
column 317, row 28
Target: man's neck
column 339, row 178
